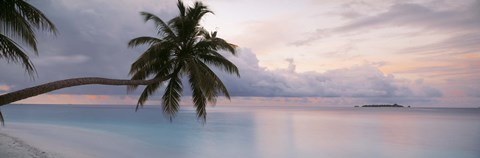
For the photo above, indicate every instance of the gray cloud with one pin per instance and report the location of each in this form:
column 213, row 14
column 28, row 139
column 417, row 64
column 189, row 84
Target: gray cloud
column 420, row 16
column 459, row 44
column 92, row 42
column 473, row 92
column 358, row 81
column 425, row 17
column 362, row 81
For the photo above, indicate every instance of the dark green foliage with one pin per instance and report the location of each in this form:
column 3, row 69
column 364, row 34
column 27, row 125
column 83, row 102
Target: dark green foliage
column 2, row 121
column 19, row 21
column 183, row 48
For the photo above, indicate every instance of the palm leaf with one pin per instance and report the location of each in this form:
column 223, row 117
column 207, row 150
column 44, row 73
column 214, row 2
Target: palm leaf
column 223, row 45
column 197, row 12
column 11, row 51
column 157, row 53
column 145, row 40
column 211, row 42
column 181, row 8
column 15, row 26
column 197, row 82
column 184, row 47
column 36, row 17
column 2, row 120
column 156, row 60
column 161, row 69
column 163, row 28
column 216, row 83
column 171, row 97
column 148, row 91
column 220, row 62
column 18, row 21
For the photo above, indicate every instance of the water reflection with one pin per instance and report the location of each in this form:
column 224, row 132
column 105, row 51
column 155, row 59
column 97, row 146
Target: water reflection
column 273, row 132
column 372, row 133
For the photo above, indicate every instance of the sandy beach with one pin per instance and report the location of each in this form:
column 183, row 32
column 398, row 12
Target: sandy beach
column 16, row 148
column 28, row 140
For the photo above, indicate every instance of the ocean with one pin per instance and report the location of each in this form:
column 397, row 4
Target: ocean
column 263, row 131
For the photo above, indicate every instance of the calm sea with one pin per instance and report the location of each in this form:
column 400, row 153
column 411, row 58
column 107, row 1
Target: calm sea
column 271, row 132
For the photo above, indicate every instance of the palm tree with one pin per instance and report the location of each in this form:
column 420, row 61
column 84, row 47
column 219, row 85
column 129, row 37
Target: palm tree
column 19, row 20
column 183, row 48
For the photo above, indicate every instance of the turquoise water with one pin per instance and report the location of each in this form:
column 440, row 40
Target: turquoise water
column 266, row 132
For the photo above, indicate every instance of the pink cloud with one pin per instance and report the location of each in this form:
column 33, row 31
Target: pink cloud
column 5, row 88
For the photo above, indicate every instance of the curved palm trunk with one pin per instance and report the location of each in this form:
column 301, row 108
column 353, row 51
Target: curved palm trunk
column 48, row 87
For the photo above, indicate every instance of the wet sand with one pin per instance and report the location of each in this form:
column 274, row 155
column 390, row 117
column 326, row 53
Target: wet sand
column 11, row 147
column 29, row 140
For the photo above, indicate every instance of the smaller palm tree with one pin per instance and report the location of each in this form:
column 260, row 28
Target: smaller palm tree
column 183, row 48
column 19, row 20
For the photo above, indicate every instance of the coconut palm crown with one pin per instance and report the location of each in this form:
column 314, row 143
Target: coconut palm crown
column 19, row 21
column 182, row 48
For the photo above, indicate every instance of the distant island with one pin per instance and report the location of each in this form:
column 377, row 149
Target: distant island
column 384, row 105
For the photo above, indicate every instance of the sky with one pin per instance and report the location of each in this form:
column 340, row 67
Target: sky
column 423, row 53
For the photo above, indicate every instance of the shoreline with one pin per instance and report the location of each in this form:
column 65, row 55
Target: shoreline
column 15, row 147
column 36, row 140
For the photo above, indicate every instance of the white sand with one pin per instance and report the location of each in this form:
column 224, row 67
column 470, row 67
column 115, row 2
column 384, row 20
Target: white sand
column 11, row 147
column 52, row 141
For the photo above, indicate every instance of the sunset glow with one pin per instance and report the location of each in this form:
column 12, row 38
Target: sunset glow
column 327, row 53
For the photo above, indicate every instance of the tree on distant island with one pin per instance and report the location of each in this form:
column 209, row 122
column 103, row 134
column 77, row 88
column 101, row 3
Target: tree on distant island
column 384, row 105
column 183, row 49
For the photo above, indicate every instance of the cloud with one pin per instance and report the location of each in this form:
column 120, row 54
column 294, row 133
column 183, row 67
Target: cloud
column 57, row 60
column 4, row 88
column 360, row 84
column 93, row 37
column 92, row 41
column 361, row 81
column 422, row 17
column 417, row 15
column 358, row 81
column 459, row 44
column 473, row 92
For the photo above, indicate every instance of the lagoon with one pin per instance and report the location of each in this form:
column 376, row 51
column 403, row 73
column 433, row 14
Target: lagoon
column 247, row 131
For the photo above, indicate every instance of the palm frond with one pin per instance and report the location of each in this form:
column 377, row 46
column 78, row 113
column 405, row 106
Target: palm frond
column 19, row 19
column 203, row 33
column 36, row 17
column 148, row 91
column 181, row 8
column 171, row 97
column 211, row 42
column 14, row 25
column 2, row 120
column 163, row 28
column 215, row 85
column 144, row 40
column 197, row 83
column 220, row 62
column 197, row 12
column 160, row 68
column 11, row 51
column 184, row 47
column 223, row 45
column 157, row 53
